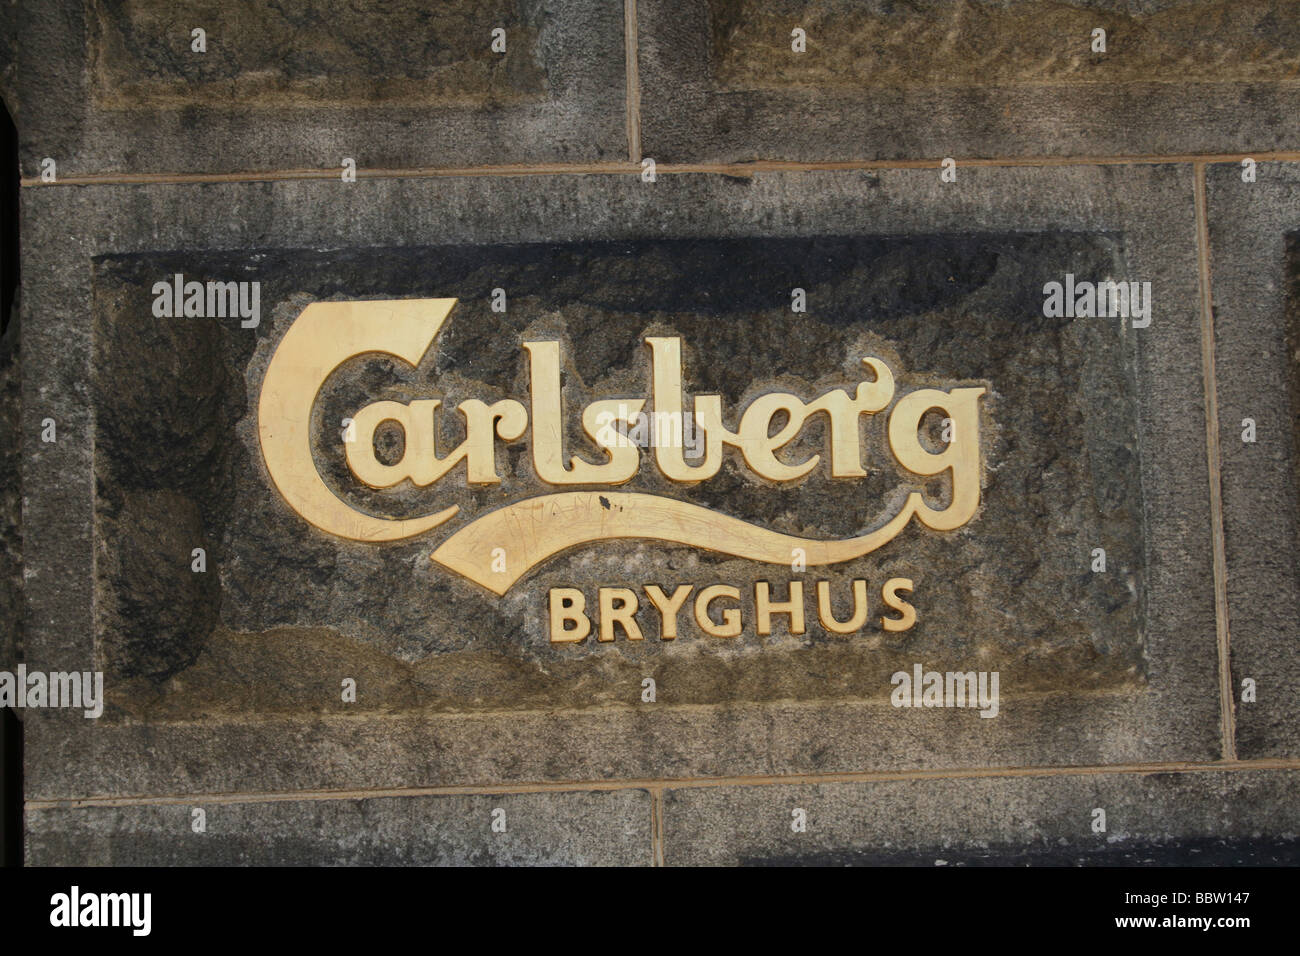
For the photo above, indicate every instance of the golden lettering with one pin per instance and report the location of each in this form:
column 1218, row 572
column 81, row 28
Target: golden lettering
column 827, row 618
column 962, row 456
column 668, row 608
column 758, row 445
column 420, row 460
column 846, row 413
column 889, row 593
column 323, row 337
column 618, row 606
column 730, row 626
column 666, row 384
column 548, row 427
column 328, row 334
column 479, row 448
column 765, row 607
column 568, row 604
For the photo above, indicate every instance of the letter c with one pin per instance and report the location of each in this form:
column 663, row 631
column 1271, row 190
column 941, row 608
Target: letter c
column 321, row 339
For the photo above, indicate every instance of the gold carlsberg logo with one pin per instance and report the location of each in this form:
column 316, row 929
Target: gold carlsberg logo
column 495, row 549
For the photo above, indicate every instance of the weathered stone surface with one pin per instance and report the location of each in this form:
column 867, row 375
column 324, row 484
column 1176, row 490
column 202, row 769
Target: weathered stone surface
column 260, row 56
column 995, row 42
column 223, row 681
column 610, row 828
column 114, row 87
column 280, row 599
column 721, row 83
column 1253, row 229
column 629, row 741
column 1149, row 818
column 239, row 677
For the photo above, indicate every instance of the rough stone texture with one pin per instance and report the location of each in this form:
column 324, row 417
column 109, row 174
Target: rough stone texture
column 300, row 609
column 609, row 828
column 112, row 86
column 1006, row 821
column 1135, row 219
column 1253, row 229
column 878, row 44
column 882, row 80
column 306, row 54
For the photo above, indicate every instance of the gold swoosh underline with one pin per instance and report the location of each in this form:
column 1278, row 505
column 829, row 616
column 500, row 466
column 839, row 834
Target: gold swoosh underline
column 518, row 537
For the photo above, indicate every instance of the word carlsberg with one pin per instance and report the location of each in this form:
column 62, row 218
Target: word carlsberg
column 497, row 548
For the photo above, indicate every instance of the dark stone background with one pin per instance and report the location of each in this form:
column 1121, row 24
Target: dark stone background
column 284, row 610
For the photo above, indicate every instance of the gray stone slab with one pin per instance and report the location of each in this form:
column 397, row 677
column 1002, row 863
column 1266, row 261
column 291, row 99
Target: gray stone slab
column 103, row 87
column 1149, row 818
column 610, row 828
column 1256, row 287
column 1147, row 690
column 878, row 81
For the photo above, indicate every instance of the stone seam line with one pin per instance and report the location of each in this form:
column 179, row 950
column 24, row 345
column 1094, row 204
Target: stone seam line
column 656, row 826
column 630, row 42
column 631, row 168
column 1214, row 462
column 658, row 785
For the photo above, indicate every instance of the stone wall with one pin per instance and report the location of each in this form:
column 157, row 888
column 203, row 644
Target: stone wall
column 905, row 187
